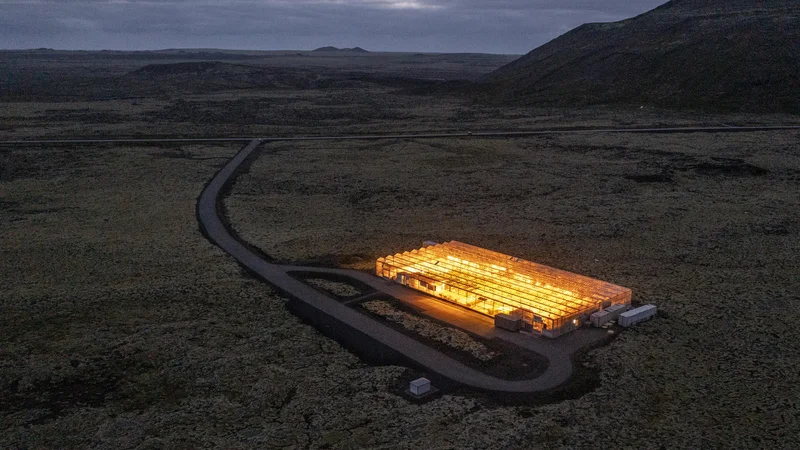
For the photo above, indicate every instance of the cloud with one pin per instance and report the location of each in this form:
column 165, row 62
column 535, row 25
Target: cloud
column 498, row 26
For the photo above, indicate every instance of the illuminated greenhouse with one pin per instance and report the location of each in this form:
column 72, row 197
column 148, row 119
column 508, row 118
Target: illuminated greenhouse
column 548, row 301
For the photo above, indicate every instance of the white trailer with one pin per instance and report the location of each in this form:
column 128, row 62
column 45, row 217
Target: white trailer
column 637, row 315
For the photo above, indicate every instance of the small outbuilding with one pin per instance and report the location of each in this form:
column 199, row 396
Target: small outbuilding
column 507, row 322
column 420, row 386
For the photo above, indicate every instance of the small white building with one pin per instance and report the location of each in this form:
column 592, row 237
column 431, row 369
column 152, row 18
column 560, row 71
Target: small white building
column 420, row 386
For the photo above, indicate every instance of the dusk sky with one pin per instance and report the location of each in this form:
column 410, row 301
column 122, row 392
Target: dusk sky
column 491, row 26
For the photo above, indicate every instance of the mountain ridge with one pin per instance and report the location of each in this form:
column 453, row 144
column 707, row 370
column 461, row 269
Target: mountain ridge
column 730, row 55
column 336, row 49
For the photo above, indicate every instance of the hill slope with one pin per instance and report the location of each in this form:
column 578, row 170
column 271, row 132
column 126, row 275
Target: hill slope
column 330, row 49
column 721, row 54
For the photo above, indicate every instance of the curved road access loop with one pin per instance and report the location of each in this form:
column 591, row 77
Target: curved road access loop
column 558, row 371
column 559, row 368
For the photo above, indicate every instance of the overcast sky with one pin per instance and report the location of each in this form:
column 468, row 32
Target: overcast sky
column 492, row 26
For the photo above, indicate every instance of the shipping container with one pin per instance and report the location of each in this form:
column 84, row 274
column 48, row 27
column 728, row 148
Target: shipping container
column 637, row 315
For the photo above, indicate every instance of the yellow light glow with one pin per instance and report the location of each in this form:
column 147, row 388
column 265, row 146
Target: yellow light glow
column 494, row 283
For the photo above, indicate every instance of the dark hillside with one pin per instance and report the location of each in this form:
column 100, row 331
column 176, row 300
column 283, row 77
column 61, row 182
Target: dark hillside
column 330, row 49
column 741, row 55
column 326, row 49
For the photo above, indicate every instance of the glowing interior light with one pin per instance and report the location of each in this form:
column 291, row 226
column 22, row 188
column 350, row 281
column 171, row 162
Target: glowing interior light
column 549, row 301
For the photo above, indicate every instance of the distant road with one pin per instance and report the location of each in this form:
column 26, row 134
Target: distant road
column 368, row 137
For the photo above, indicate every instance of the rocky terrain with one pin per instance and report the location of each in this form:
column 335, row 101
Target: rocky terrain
column 124, row 328
column 700, row 225
column 337, row 288
column 63, row 76
column 740, row 55
column 449, row 336
column 56, row 94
